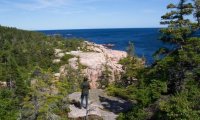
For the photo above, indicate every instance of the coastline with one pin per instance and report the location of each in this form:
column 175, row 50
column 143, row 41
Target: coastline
column 145, row 39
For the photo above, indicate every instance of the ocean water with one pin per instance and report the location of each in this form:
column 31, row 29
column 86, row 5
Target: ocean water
column 146, row 40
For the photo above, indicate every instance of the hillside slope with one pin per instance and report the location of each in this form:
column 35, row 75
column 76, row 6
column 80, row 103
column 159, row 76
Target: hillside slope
column 26, row 75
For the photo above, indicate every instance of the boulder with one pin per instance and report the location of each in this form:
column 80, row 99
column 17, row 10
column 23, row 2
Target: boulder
column 60, row 55
column 56, row 60
column 56, row 51
column 3, row 84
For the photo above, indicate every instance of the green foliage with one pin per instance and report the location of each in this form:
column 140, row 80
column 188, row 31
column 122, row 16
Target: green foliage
column 135, row 114
column 26, row 57
column 130, row 49
column 144, row 95
column 113, row 90
column 157, row 88
column 9, row 106
column 197, row 11
column 179, row 28
column 105, row 77
column 73, row 44
column 65, row 59
column 74, row 77
column 179, row 31
column 169, row 89
column 132, row 66
column 179, row 108
column 46, row 100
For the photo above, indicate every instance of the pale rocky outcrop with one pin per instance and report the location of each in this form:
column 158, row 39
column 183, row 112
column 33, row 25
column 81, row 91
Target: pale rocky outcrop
column 56, row 60
column 63, row 70
column 34, row 82
column 3, row 84
column 94, row 61
column 59, row 55
column 57, row 76
column 57, row 51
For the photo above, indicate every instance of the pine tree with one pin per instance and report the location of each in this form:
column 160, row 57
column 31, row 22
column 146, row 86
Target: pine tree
column 105, row 77
column 197, row 11
column 180, row 31
column 179, row 28
column 130, row 49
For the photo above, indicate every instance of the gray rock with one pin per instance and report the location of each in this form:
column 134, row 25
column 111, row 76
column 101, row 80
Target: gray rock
column 101, row 106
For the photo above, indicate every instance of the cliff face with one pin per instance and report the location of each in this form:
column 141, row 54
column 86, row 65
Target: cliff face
column 94, row 61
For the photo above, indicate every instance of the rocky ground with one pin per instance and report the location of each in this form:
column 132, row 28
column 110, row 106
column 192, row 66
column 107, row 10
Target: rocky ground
column 101, row 106
column 94, row 59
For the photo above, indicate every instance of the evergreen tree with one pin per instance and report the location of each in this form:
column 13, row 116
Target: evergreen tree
column 169, row 89
column 179, row 27
column 105, row 78
column 20, row 52
column 197, row 11
column 179, row 31
column 130, row 49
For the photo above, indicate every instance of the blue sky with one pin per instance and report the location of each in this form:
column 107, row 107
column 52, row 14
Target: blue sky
column 79, row 14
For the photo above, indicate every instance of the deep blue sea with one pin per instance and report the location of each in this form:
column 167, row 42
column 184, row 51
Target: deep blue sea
column 146, row 40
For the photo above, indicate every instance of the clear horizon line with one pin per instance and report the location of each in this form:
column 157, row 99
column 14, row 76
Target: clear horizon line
column 96, row 28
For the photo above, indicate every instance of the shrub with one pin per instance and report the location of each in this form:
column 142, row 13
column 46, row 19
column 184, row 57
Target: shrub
column 178, row 108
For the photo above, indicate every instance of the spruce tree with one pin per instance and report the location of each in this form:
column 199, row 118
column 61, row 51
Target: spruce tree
column 179, row 27
column 179, row 30
column 197, row 11
column 130, row 49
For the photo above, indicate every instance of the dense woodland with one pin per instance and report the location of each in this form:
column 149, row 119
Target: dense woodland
column 26, row 66
column 169, row 89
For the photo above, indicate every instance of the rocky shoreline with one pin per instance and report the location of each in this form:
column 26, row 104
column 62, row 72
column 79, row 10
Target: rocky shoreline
column 94, row 60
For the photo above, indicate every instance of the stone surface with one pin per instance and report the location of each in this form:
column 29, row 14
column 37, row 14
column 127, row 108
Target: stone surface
column 94, row 61
column 100, row 105
column 34, row 82
column 57, row 51
column 56, row 60
column 3, row 84
column 57, row 75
